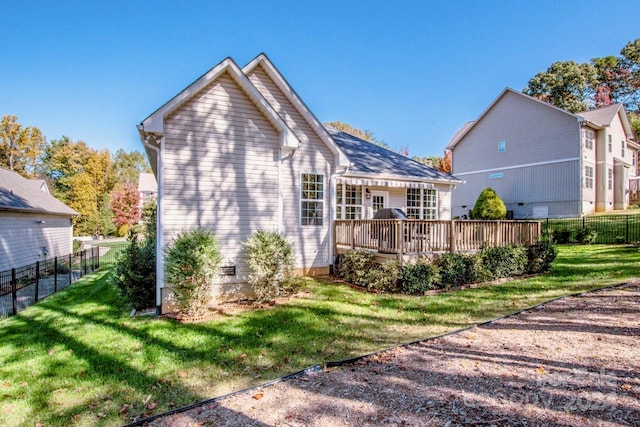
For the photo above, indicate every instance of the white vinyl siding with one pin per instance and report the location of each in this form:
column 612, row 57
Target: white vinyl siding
column 311, row 244
column 25, row 238
column 221, row 170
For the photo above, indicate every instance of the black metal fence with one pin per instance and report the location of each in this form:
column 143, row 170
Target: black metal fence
column 24, row 286
column 609, row 229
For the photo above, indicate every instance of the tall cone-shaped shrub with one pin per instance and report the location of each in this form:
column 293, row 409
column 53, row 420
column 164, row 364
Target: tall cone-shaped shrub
column 489, row 206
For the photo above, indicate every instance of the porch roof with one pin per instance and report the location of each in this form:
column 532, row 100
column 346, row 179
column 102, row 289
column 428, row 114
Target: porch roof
column 372, row 162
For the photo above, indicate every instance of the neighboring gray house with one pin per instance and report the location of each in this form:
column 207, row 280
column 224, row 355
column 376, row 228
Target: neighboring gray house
column 238, row 151
column 544, row 161
column 34, row 225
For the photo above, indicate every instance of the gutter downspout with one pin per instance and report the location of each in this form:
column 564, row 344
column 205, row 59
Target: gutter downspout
column 159, row 214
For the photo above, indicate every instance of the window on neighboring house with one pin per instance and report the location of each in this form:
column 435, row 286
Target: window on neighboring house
column 610, row 179
column 348, row 201
column 622, row 148
column 502, row 146
column 588, row 177
column 312, row 199
column 589, row 137
column 422, row 203
column 610, row 144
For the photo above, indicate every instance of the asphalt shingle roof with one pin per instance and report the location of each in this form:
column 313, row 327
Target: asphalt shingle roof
column 22, row 194
column 368, row 158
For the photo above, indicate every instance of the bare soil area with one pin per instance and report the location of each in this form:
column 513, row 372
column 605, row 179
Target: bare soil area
column 571, row 362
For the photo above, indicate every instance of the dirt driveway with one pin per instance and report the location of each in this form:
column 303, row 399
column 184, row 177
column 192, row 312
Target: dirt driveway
column 571, row 362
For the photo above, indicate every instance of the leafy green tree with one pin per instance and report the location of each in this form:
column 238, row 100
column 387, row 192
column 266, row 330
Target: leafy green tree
column 489, row 206
column 634, row 120
column 126, row 167
column 20, row 147
column 101, row 222
column 565, row 84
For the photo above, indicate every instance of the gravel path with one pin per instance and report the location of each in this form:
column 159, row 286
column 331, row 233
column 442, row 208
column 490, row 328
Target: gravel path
column 571, row 362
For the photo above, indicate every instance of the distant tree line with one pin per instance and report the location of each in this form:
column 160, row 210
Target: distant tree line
column 100, row 186
column 598, row 83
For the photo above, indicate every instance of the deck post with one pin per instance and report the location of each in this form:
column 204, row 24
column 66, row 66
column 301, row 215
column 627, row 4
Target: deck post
column 352, row 234
column 400, row 240
column 452, row 236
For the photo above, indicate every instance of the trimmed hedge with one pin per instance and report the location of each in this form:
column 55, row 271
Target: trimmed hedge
column 447, row 270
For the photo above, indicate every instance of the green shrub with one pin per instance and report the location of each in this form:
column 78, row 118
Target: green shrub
column 355, row 265
column 562, row 236
column 620, row 239
column 383, row 277
column 489, row 206
column 77, row 245
column 270, row 258
column 134, row 272
column 419, row 277
column 586, row 235
column 504, row 261
column 540, row 256
column 454, row 269
column 191, row 264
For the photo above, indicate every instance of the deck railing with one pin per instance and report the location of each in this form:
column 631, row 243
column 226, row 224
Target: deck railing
column 425, row 236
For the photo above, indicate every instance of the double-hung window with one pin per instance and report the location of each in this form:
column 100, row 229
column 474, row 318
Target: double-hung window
column 312, row 199
column 610, row 179
column 589, row 137
column 422, row 203
column 622, row 148
column 588, row 177
column 348, row 201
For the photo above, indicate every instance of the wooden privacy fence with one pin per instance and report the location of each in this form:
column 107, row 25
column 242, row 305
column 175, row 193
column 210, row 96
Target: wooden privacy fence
column 414, row 236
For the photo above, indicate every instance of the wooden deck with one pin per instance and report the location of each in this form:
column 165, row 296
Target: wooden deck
column 404, row 239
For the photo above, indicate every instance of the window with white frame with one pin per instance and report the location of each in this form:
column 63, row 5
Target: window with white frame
column 588, row 177
column 348, row 201
column 589, row 138
column 622, row 148
column 422, row 203
column 502, row 146
column 610, row 144
column 312, row 199
column 610, row 179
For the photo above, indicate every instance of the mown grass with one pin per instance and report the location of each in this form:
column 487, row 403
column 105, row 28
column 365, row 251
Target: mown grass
column 78, row 359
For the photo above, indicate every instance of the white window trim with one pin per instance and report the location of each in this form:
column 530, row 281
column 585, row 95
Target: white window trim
column 589, row 138
column 342, row 203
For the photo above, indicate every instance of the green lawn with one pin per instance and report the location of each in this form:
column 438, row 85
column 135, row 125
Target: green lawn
column 76, row 358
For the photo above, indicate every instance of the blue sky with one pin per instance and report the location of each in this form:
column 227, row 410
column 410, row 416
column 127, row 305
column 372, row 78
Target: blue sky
column 412, row 72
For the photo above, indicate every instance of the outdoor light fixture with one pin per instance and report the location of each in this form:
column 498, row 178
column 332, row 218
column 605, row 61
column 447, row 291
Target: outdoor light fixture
column 367, row 194
column 42, row 221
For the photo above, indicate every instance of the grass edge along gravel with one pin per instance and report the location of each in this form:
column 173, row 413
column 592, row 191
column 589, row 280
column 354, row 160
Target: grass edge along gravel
column 78, row 359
